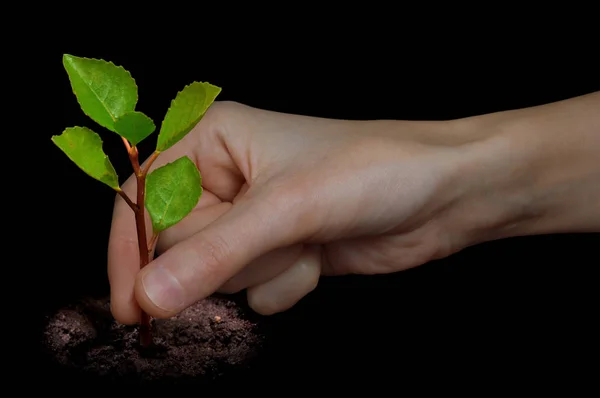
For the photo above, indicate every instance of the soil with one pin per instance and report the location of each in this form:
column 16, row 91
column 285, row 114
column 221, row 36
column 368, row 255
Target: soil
column 205, row 341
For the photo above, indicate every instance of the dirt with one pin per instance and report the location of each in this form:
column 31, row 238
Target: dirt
column 207, row 340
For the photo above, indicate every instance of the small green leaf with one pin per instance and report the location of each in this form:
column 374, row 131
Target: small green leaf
column 135, row 126
column 84, row 148
column 104, row 91
column 172, row 192
column 185, row 112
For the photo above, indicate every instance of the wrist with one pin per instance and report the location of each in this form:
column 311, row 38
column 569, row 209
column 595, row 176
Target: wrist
column 528, row 172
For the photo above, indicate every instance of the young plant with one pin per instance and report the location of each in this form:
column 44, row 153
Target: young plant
column 108, row 95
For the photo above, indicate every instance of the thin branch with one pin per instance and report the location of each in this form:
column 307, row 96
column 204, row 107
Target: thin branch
column 133, row 206
column 151, row 160
column 135, row 162
column 127, row 145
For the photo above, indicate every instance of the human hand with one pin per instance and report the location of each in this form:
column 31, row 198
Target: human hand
column 286, row 199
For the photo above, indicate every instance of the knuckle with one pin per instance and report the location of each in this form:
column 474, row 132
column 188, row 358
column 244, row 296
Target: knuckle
column 213, row 252
column 217, row 118
column 221, row 110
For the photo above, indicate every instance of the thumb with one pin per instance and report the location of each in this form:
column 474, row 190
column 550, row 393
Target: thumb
column 195, row 268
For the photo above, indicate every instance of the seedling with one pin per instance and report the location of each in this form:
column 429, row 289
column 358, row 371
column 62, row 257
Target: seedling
column 108, row 94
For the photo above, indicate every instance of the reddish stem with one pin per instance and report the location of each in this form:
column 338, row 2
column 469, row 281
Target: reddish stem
column 129, row 201
column 127, row 144
column 140, row 222
column 151, row 160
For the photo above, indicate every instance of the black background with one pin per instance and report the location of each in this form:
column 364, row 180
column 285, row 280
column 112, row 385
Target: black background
column 505, row 310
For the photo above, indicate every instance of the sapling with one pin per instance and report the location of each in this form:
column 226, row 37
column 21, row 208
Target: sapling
column 108, row 94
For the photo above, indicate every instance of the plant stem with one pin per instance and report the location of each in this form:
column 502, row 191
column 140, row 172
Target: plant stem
column 140, row 222
column 129, row 201
column 127, row 144
column 151, row 160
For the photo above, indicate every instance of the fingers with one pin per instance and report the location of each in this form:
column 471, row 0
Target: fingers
column 286, row 289
column 258, row 271
column 195, row 268
column 263, row 269
column 220, row 168
column 197, row 220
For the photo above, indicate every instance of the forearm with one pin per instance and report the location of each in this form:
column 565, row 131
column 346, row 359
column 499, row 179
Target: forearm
column 530, row 171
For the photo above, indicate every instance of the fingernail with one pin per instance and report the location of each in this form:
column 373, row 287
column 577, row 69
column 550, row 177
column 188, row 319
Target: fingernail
column 163, row 289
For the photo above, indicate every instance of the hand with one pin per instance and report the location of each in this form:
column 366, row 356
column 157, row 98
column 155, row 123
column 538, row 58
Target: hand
column 288, row 198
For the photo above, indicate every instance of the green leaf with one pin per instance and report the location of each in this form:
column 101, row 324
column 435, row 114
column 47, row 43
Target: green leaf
column 135, row 126
column 172, row 192
column 185, row 112
column 104, row 91
column 84, row 148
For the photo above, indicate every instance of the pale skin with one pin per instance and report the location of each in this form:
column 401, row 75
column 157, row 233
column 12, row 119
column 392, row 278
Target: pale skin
column 289, row 198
